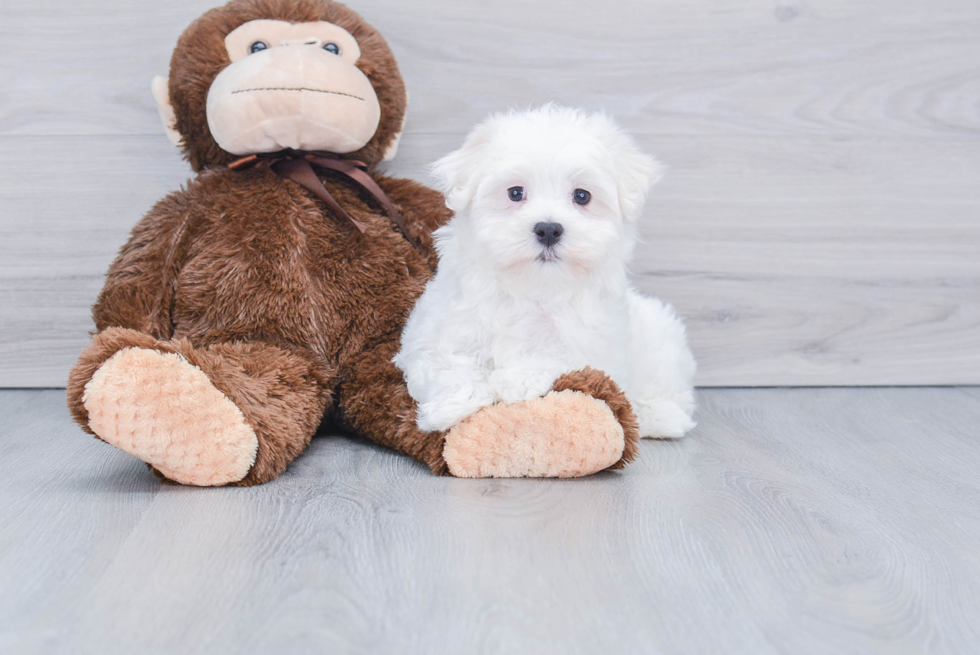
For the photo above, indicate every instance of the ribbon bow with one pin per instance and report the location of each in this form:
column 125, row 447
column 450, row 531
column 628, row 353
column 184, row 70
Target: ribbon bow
column 297, row 165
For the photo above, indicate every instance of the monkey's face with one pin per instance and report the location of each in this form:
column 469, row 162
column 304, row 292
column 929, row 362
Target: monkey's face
column 292, row 85
column 257, row 76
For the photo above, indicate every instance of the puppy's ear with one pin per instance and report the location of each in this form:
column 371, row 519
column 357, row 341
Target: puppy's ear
column 638, row 171
column 457, row 174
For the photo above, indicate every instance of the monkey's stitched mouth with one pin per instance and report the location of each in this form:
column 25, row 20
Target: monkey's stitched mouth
column 299, row 88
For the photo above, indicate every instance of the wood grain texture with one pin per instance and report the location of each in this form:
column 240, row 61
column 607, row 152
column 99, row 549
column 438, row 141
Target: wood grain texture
column 778, row 281
column 819, row 223
column 791, row 521
column 664, row 66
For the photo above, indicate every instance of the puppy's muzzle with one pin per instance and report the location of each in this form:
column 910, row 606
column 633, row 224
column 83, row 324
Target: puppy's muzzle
column 548, row 233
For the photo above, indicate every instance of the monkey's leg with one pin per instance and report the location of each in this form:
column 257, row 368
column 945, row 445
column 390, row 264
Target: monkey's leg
column 229, row 413
column 374, row 401
column 583, row 426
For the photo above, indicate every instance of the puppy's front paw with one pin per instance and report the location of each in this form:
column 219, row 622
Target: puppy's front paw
column 446, row 411
column 513, row 385
column 662, row 419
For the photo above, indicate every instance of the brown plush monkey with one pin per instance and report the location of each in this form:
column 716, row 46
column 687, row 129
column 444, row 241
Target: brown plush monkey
column 250, row 304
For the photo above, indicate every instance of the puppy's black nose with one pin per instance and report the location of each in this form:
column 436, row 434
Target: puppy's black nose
column 548, row 233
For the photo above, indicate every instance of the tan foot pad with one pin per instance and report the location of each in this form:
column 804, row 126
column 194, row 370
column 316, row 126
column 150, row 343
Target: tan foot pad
column 565, row 434
column 166, row 412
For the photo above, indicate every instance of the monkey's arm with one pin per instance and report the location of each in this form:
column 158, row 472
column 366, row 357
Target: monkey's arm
column 424, row 209
column 139, row 287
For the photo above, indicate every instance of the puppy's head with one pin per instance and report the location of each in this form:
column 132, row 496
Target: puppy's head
column 548, row 196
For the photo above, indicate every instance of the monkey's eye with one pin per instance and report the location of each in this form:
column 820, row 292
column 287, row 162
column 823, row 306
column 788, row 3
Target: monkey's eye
column 581, row 197
column 516, row 193
column 258, row 46
column 332, row 48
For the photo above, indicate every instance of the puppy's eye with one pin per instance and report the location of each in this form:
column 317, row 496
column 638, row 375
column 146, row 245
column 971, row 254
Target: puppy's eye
column 258, row 46
column 581, row 197
column 516, row 193
column 332, row 48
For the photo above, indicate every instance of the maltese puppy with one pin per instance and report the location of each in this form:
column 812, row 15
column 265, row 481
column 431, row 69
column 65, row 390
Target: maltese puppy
column 532, row 279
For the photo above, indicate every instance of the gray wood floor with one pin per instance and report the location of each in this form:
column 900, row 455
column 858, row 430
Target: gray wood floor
column 792, row 521
column 818, row 223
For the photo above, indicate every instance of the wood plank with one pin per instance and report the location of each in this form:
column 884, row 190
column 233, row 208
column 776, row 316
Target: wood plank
column 817, row 226
column 795, row 261
column 68, row 205
column 791, row 521
column 741, row 67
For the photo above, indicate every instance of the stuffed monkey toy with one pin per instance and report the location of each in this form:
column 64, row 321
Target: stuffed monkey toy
column 271, row 291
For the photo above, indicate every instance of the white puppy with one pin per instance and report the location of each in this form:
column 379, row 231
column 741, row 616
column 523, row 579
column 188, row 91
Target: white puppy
column 532, row 279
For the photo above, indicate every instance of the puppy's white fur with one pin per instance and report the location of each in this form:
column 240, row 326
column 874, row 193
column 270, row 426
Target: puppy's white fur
column 505, row 315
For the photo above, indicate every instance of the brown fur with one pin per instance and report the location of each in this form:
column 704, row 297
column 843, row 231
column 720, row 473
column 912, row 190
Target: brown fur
column 250, row 278
column 282, row 392
column 240, row 258
column 200, row 55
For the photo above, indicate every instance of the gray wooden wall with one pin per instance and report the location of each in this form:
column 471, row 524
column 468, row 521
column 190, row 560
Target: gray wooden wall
column 819, row 223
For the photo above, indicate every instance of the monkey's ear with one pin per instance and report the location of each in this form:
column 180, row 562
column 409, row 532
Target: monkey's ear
column 161, row 92
column 393, row 148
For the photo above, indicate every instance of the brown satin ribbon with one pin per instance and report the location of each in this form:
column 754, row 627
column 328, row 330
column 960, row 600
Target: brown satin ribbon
column 298, row 166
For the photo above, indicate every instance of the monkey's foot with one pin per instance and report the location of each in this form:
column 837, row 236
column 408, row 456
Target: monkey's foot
column 165, row 411
column 584, row 425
